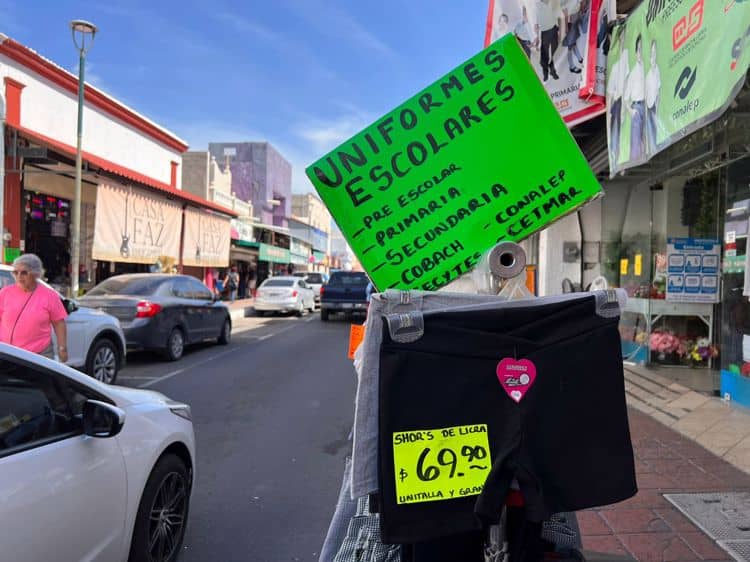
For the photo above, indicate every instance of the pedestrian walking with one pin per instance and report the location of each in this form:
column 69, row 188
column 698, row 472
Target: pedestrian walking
column 29, row 311
column 232, row 282
column 252, row 281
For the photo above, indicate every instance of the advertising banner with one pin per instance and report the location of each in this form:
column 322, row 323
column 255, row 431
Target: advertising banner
column 133, row 226
column 693, row 269
column 477, row 157
column 674, row 67
column 207, row 239
column 566, row 42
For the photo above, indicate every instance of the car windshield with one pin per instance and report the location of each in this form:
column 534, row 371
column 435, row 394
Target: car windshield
column 127, row 286
column 278, row 283
column 349, row 279
column 314, row 278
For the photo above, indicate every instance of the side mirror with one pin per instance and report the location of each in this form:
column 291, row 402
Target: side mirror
column 70, row 305
column 101, row 419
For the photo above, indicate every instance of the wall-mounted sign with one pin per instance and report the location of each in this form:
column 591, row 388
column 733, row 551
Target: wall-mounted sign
column 567, row 44
column 479, row 156
column 693, row 269
column 273, row 254
column 134, row 226
column 243, row 230
column 674, row 67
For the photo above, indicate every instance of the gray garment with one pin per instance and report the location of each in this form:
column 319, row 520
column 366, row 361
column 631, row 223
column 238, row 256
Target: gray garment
column 362, row 541
column 396, row 306
column 346, row 510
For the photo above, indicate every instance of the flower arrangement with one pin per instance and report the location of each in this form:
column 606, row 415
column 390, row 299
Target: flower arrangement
column 663, row 342
column 687, row 350
column 701, row 350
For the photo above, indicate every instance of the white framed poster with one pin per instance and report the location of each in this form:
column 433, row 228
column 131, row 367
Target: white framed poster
column 693, row 269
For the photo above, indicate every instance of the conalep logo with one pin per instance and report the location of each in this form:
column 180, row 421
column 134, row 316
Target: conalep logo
column 685, row 82
column 687, row 25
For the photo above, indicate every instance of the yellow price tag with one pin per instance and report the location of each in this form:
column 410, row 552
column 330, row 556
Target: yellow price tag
column 638, row 265
column 624, row 266
column 441, row 464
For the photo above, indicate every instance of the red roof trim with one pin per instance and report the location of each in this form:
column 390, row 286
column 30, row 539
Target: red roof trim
column 124, row 172
column 46, row 69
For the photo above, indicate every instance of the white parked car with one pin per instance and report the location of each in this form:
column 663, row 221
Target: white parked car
column 96, row 344
column 284, row 294
column 89, row 471
column 315, row 281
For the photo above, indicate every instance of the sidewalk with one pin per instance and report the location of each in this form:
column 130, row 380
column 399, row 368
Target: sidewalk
column 721, row 427
column 239, row 308
column 647, row 526
column 685, row 442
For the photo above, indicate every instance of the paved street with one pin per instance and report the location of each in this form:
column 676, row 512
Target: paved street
column 272, row 414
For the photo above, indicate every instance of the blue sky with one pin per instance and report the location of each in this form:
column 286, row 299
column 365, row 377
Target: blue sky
column 302, row 74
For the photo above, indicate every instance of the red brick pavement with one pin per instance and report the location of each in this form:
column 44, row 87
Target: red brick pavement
column 647, row 527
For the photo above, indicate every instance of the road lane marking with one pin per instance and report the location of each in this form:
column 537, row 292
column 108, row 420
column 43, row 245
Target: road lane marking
column 209, row 359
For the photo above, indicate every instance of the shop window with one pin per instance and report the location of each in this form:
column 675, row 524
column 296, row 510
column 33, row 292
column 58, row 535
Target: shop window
column 660, row 223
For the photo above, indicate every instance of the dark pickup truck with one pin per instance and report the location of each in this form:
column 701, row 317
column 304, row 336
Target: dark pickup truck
column 346, row 291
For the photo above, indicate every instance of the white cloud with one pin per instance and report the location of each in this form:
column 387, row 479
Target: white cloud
column 334, row 21
column 246, row 25
column 327, row 135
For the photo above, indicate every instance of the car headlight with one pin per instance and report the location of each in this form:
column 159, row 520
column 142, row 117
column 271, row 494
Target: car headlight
column 180, row 409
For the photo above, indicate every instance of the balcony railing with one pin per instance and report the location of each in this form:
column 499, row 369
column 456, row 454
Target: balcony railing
column 242, row 208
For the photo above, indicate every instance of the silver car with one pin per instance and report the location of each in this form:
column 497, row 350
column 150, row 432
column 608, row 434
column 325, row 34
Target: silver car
column 284, row 294
column 315, row 281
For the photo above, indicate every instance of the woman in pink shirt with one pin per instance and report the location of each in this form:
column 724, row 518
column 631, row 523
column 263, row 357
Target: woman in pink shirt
column 29, row 311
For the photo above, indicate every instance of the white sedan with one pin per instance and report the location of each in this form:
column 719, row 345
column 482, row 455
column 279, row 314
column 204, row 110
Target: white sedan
column 89, row 471
column 284, row 294
column 96, row 344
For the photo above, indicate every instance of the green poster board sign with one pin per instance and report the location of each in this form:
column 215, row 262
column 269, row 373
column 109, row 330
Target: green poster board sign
column 477, row 157
column 11, row 254
column 673, row 68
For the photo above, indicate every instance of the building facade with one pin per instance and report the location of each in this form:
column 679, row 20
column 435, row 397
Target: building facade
column 134, row 214
column 261, row 176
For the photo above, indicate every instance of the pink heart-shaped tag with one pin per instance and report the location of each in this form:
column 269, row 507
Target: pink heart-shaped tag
column 516, row 376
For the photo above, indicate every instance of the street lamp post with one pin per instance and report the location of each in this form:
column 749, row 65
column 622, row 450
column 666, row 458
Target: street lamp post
column 81, row 31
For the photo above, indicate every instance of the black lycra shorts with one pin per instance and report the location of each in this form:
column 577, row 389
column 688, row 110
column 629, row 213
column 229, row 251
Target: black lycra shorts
column 567, row 442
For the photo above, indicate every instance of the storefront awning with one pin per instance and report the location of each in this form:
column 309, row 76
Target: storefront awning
column 111, row 167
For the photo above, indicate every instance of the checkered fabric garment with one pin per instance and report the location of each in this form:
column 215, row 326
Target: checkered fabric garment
column 362, row 541
column 562, row 530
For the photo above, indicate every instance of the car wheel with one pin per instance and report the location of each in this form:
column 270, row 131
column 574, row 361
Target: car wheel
column 162, row 513
column 324, row 315
column 175, row 345
column 102, row 361
column 226, row 333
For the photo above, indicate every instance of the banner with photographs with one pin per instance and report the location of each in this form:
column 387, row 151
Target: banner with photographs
column 673, row 68
column 566, row 42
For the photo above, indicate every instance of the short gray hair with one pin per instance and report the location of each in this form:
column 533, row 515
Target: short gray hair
column 32, row 263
